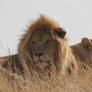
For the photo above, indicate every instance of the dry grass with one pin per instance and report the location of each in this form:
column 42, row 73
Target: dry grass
column 12, row 82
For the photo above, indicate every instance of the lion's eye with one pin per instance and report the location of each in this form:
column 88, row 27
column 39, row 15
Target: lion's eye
column 47, row 43
column 34, row 44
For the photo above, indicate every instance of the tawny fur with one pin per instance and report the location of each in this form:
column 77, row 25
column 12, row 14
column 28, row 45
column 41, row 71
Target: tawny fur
column 66, row 61
column 58, row 57
column 83, row 51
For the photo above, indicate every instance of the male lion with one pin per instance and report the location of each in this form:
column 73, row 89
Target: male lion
column 83, row 51
column 43, row 48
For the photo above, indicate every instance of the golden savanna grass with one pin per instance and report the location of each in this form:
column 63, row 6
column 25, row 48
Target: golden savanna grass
column 76, row 83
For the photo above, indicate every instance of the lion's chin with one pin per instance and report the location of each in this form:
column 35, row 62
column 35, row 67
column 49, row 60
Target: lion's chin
column 42, row 64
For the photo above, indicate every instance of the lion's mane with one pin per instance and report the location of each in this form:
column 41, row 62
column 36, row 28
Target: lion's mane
column 64, row 61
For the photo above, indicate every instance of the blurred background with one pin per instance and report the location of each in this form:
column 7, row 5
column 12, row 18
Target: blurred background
column 75, row 16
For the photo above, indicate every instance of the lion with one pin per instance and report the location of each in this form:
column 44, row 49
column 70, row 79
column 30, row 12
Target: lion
column 83, row 51
column 43, row 48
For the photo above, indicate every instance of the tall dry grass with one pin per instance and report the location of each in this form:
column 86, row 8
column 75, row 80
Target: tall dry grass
column 13, row 82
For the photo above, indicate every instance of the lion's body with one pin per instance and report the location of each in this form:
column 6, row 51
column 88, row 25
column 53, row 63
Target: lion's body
column 43, row 48
column 83, row 51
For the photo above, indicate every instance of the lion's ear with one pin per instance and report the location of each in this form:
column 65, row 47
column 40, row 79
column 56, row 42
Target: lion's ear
column 84, row 40
column 60, row 32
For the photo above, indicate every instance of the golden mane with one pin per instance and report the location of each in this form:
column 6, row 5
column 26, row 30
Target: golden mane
column 64, row 60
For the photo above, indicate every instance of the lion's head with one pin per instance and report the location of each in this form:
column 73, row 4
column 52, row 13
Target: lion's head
column 39, row 47
column 86, row 43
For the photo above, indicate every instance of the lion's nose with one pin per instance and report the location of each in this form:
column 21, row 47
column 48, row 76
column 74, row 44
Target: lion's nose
column 38, row 54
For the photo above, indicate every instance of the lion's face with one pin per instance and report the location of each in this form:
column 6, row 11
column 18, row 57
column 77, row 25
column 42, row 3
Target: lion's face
column 87, row 43
column 42, row 48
